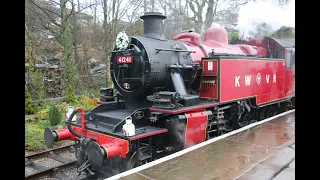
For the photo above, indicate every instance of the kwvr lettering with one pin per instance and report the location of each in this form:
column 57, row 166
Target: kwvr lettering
column 247, row 80
column 237, row 84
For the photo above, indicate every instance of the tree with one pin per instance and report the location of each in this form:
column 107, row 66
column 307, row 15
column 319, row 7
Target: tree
column 106, row 39
column 55, row 19
column 213, row 7
column 112, row 13
column 284, row 33
column 36, row 81
column 67, row 46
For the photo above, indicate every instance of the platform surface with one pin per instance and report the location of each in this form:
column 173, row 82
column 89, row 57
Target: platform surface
column 265, row 151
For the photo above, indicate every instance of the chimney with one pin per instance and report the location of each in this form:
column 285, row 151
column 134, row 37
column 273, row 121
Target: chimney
column 153, row 25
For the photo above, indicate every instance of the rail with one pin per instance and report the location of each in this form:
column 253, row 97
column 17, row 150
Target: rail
column 39, row 170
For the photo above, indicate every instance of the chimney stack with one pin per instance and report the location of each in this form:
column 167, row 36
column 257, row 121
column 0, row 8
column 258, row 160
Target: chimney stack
column 153, row 25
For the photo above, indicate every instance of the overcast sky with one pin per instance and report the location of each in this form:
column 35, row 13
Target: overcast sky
column 124, row 3
column 253, row 12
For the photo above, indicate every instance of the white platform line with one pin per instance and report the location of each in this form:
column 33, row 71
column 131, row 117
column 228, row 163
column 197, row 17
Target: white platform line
column 166, row 158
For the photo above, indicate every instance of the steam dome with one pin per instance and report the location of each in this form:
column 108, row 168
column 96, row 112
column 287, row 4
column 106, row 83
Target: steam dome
column 217, row 34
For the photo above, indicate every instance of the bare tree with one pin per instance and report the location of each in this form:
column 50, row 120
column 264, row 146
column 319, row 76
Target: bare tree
column 198, row 6
column 53, row 18
column 106, row 39
column 112, row 14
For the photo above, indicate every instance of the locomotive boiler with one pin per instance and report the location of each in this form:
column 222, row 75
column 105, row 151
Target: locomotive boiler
column 173, row 94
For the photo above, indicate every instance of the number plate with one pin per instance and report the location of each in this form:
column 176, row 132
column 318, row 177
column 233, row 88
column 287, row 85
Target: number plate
column 124, row 59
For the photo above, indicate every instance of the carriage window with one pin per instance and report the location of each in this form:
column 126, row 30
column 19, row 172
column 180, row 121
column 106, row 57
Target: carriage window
column 288, row 59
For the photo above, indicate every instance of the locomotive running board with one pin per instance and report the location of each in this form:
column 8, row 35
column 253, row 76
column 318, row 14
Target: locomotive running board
column 185, row 109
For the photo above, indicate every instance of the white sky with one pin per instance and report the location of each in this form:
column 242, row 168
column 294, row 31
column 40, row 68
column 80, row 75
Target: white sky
column 253, row 12
column 264, row 11
column 124, row 3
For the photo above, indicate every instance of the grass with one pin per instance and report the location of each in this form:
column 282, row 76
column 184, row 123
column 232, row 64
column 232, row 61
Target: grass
column 36, row 123
column 34, row 137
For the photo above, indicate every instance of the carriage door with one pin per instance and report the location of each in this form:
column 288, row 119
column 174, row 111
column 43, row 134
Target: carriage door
column 290, row 73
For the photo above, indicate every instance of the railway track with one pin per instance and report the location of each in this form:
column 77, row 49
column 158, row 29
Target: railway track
column 50, row 161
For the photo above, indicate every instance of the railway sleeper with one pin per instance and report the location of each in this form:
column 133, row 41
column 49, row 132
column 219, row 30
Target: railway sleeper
column 59, row 158
column 33, row 165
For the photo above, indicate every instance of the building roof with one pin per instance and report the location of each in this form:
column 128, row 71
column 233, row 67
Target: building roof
column 287, row 43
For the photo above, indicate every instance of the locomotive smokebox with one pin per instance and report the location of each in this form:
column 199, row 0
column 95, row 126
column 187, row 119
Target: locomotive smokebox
column 153, row 25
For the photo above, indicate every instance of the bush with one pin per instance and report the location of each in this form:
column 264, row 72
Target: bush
column 70, row 97
column 63, row 108
column 54, row 115
column 31, row 118
column 43, row 114
column 92, row 102
column 86, row 102
column 43, row 123
column 28, row 102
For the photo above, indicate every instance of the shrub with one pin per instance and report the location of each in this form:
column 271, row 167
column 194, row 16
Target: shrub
column 92, row 102
column 54, row 115
column 30, row 118
column 86, row 102
column 43, row 123
column 70, row 97
column 63, row 108
column 43, row 114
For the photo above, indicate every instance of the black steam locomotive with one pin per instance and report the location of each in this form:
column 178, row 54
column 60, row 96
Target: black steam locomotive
column 158, row 109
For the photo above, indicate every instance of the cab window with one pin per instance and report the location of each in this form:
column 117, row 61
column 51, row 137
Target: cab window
column 288, row 59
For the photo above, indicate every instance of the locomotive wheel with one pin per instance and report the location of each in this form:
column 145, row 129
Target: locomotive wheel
column 222, row 129
column 271, row 111
column 262, row 114
column 133, row 161
column 118, row 166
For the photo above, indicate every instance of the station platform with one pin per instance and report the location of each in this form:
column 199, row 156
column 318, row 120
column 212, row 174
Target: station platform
column 263, row 150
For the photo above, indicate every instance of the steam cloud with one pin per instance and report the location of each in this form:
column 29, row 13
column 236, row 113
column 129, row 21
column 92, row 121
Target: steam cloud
column 265, row 11
column 214, row 24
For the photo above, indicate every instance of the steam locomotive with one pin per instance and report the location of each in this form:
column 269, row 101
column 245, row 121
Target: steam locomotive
column 173, row 94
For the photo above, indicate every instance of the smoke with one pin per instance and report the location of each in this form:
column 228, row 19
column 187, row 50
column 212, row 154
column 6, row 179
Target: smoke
column 265, row 15
column 214, row 24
